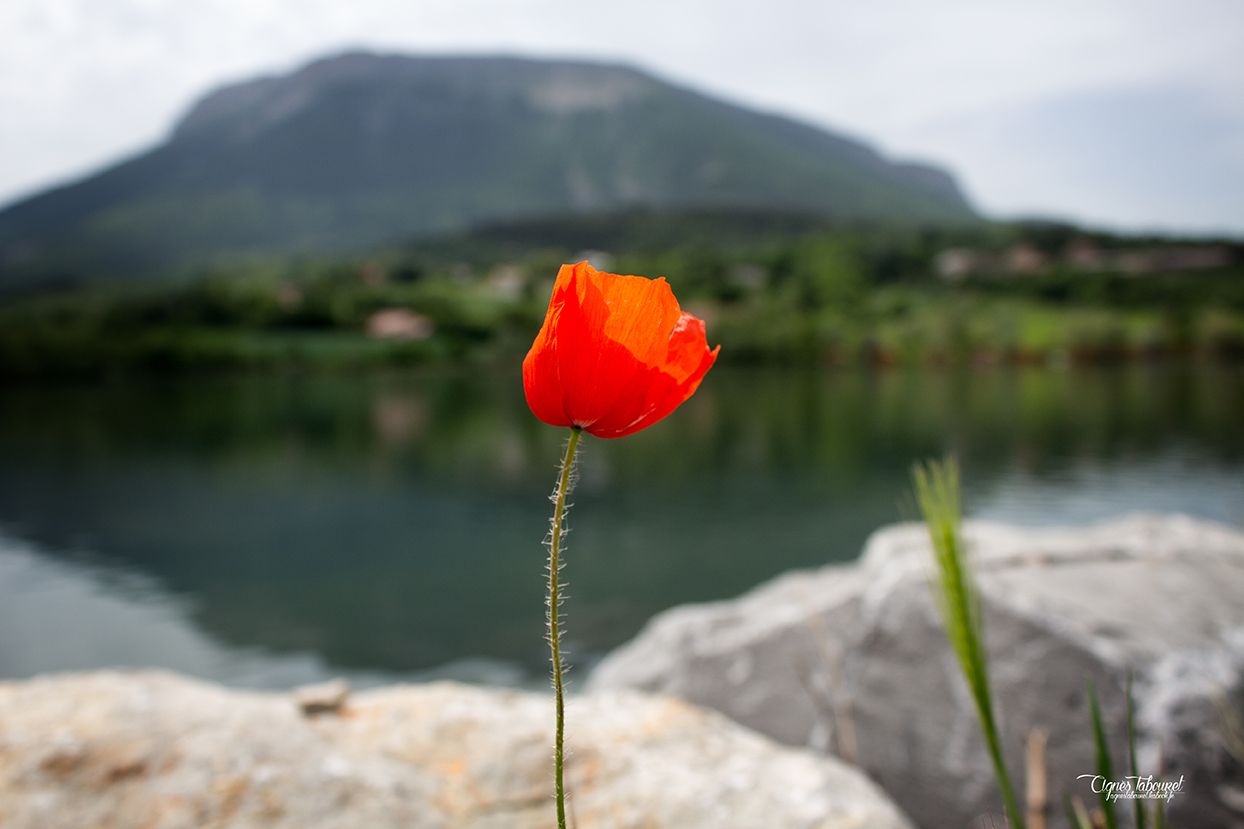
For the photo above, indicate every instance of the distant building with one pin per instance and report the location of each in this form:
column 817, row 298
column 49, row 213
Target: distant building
column 1084, row 255
column 1167, row 260
column 955, row 264
column 399, row 324
column 1024, row 259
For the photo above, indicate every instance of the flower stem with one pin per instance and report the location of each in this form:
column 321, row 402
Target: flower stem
column 565, row 482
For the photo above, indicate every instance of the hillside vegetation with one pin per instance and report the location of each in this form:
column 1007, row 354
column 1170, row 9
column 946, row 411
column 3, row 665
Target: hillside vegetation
column 784, row 290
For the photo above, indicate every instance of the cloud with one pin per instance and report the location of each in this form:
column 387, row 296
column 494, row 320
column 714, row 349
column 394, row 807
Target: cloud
column 1156, row 156
column 965, row 82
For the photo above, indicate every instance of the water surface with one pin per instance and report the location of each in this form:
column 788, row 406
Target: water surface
column 275, row 529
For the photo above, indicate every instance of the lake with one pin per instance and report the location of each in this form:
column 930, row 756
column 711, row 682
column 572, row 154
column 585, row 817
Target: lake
column 269, row 530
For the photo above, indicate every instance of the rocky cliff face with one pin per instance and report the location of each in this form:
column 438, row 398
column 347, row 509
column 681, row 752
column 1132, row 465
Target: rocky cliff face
column 853, row 660
column 154, row 750
column 358, row 150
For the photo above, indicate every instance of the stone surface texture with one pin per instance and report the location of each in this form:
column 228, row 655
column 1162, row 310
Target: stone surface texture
column 156, row 751
column 852, row 660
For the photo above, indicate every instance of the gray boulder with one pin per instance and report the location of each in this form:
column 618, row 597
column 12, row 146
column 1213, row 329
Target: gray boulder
column 154, row 750
column 852, row 660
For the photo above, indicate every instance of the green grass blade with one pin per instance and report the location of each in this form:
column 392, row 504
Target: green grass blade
column 1104, row 767
column 1137, row 804
column 937, row 493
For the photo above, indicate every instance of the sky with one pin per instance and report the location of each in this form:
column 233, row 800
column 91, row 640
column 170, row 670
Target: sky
column 1128, row 114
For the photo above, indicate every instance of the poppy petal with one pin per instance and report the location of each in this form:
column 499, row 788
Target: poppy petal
column 686, row 361
column 541, row 374
column 604, row 341
column 615, row 353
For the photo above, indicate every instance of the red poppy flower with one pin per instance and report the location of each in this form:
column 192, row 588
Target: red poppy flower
column 615, row 355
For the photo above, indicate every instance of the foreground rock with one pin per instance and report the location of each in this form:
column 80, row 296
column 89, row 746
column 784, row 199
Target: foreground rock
column 853, row 660
column 154, row 750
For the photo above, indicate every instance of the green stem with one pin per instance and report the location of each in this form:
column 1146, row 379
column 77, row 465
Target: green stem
column 1009, row 801
column 565, row 482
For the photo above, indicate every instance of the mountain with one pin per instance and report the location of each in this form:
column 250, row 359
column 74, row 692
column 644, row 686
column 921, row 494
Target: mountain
column 364, row 149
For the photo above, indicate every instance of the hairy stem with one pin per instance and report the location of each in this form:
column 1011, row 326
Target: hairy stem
column 565, row 482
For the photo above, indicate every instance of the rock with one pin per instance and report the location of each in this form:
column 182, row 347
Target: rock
column 158, row 751
column 853, row 660
column 322, row 698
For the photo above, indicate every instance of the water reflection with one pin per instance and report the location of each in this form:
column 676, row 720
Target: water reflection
column 85, row 617
column 303, row 525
